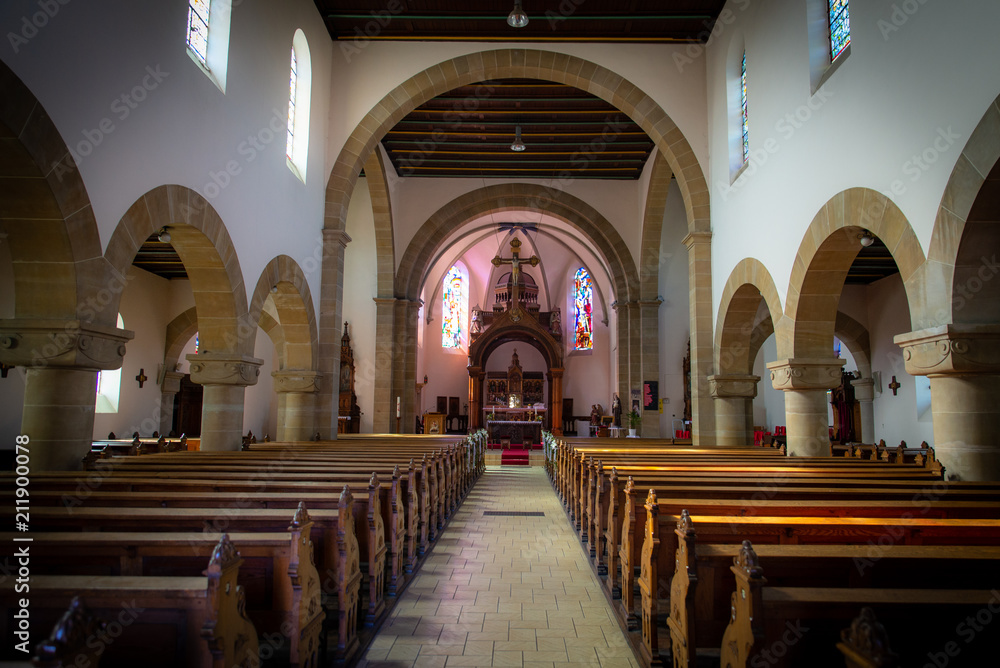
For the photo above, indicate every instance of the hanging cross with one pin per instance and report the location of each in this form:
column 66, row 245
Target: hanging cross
column 141, row 377
column 515, row 262
column 894, row 385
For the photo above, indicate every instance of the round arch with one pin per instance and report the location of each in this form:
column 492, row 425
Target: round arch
column 179, row 332
column 736, row 344
column 824, row 257
column 575, row 212
column 283, row 282
column 200, row 238
column 519, row 63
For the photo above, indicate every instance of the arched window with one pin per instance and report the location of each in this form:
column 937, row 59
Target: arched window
column 840, row 28
column 583, row 300
column 109, row 385
column 743, row 107
column 208, row 38
column 299, row 95
column 454, row 304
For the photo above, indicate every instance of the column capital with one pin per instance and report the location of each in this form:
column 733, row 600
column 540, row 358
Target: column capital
column 951, row 349
column 385, row 300
column 695, row 238
column 864, row 389
column 806, row 373
column 66, row 344
column 224, row 369
column 336, row 236
column 301, row 381
column 556, row 372
column 171, row 383
column 732, row 386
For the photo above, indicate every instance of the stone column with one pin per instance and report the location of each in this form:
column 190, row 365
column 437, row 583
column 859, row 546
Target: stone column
column 556, row 398
column 805, row 382
column 224, row 377
column 169, row 388
column 733, row 393
column 297, row 390
column 864, row 392
column 384, row 406
column 409, row 395
column 331, row 328
column 963, row 365
column 699, row 245
column 624, row 382
column 650, row 346
column 61, row 358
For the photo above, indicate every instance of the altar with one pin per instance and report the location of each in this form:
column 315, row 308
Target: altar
column 519, row 432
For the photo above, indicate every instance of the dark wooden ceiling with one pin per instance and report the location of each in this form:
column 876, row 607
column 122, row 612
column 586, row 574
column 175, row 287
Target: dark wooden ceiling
column 467, row 132
column 549, row 20
column 872, row 264
column 159, row 258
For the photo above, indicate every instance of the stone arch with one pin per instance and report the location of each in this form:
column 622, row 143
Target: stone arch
column 200, row 238
column 284, row 284
column 179, row 332
column 855, row 336
column 523, row 63
column 738, row 329
column 652, row 227
column 962, row 223
column 520, row 196
column 825, row 255
column 47, row 216
column 385, row 253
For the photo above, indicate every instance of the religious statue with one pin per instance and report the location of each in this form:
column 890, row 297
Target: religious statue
column 477, row 326
column 595, row 414
column 616, row 410
column 555, row 322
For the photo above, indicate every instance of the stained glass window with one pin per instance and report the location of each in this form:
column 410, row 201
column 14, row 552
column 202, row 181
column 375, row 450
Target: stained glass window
column 196, row 343
column 293, row 80
column 199, row 12
column 743, row 104
column 583, row 299
column 452, row 305
column 840, row 28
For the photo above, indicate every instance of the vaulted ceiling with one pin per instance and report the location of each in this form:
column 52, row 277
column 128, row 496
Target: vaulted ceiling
column 549, row 20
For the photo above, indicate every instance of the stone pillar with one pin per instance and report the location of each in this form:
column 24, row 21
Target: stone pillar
column 297, row 390
column 699, row 245
column 169, row 388
column 61, row 358
column 864, row 392
column 384, row 406
column 622, row 315
column 476, row 398
column 555, row 398
column 733, row 393
column 410, row 408
column 224, row 377
column 650, row 347
column 963, row 365
column 805, row 382
column 331, row 328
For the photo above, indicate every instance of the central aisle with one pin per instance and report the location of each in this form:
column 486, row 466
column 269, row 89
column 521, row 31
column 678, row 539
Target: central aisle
column 504, row 591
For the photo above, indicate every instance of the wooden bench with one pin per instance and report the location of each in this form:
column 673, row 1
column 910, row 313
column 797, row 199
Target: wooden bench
column 158, row 621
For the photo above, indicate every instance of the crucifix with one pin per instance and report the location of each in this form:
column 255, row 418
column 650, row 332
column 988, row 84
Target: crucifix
column 515, row 262
column 894, row 385
column 141, row 377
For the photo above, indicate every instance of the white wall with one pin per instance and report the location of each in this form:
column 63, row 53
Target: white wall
column 899, row 91
column 674, row 313
column 260, row 401
column 769, row 405
column 359, row 309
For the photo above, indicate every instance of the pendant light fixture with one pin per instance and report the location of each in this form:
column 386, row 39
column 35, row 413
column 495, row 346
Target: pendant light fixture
column 517, row 145
column 517, row 18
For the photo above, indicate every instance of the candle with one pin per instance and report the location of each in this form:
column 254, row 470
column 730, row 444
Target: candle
column 398, row 407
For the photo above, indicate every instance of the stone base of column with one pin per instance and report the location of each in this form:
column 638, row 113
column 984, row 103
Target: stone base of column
column 807, row 419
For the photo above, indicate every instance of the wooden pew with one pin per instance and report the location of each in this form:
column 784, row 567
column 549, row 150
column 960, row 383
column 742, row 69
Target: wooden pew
column 282, row 585
column 159, row 621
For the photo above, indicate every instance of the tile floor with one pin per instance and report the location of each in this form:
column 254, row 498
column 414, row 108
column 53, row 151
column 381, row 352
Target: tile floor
column 504, row 591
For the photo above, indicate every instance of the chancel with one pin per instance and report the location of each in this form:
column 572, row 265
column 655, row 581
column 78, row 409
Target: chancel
column 762, row 235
